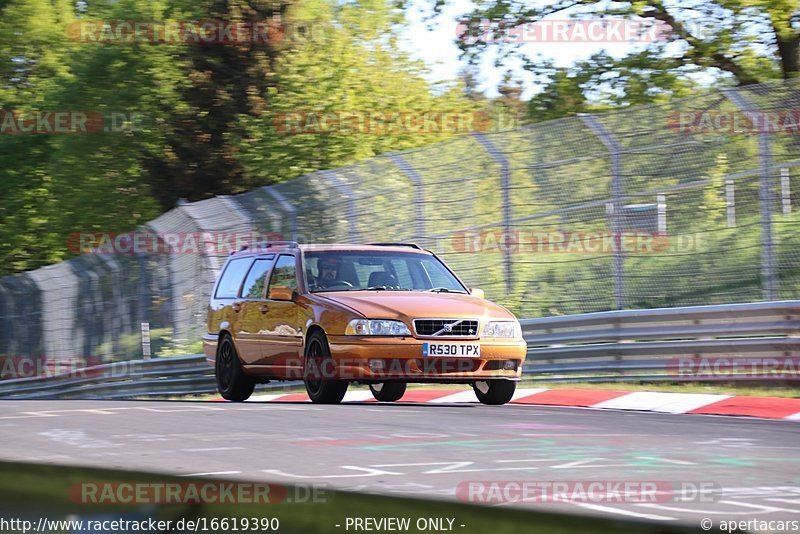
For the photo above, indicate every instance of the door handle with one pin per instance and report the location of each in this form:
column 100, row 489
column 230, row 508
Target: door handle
column 263, row 308
column 236, row 307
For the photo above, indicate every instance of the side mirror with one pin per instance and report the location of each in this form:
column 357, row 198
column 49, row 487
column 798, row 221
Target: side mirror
column 477, row 292
column 281, row 293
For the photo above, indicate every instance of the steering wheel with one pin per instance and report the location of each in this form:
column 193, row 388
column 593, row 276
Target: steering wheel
column 339, row 283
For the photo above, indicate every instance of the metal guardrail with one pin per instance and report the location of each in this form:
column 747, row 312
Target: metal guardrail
column 136, row 378
column 661, row 344
column 158, row 377
column 627, row 345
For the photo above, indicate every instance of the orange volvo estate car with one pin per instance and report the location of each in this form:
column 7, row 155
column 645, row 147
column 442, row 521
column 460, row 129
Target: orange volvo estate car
column 383, row 315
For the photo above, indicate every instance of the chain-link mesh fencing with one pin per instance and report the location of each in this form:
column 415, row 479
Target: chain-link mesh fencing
column 677, row 204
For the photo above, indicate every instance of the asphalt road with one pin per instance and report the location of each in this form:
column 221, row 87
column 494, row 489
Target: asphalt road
column 722, row 468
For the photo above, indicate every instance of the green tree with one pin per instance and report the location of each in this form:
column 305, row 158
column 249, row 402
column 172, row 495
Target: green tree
column 736, row 42
column 749, row 40
column 228, row 82
column 347, row 60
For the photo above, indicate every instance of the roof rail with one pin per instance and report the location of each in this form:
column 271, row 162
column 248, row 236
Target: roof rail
column 412, row 245
column 268, row 244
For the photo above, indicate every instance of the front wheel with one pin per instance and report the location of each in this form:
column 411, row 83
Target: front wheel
column 494, row 392
column 388, row 391
column 321, row 389
column 232, row 383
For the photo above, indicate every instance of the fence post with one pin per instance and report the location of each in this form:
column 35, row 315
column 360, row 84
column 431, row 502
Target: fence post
column 765, row 197
column 286, row 206
column 352, row 209
column 786, row 191
column 615, row 153
column 730, row 203
column 419, row 196
column 661, row 213
column 505, row 190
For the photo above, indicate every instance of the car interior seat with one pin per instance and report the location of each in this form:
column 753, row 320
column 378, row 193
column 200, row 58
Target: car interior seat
column 382, row 278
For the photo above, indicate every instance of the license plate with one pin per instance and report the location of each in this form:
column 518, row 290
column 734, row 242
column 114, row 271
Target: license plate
column 453, row 350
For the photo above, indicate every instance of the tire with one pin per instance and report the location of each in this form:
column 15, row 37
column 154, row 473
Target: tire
column 388, row 391
column 321, row 390
column 233, row 384
column 494, row 392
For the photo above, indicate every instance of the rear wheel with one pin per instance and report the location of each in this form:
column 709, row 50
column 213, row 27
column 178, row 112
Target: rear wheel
column 321, row 388
column 388, row 391
column 494, row 392
column 233, row 384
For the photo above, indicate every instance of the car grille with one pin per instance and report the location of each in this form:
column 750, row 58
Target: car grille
column 437, row 327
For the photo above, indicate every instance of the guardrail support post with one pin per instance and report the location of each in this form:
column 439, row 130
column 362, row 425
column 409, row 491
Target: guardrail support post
column 146, row 341
column 505, row 189
column 615, row 152
column 765, row 196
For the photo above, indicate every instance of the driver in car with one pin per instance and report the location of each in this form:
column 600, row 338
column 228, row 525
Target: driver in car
column 328, row 271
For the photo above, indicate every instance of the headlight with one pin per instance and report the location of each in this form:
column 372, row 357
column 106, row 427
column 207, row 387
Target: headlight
column 509, row 329
column 376, row 327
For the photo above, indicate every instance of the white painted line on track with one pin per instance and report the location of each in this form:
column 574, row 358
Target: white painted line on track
column 763, row 509
column 655, row 401
column 210, row 449
column 461, row 396
column 357, row 396
column 267, row 397
column 618, row 511
column 176, row 409
column 573, row 435
column 210, row 473
column 789, row 501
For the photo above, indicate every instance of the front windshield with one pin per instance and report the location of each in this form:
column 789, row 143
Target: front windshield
column 378, row 270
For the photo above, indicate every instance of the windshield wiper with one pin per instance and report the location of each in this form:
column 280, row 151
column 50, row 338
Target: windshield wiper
column 381, row 288
column 444, row 290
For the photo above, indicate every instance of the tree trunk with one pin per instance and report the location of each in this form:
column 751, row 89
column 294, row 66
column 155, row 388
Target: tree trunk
column 789, row 52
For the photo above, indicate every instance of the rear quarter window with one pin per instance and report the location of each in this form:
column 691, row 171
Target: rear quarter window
column 231, row 279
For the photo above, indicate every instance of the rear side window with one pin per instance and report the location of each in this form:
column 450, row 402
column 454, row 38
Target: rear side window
column 284, row 273
column 231, row 279
column 254, row 283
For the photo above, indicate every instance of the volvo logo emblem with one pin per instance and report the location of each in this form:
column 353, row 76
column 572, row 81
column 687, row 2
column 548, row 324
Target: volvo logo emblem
column 447, row 328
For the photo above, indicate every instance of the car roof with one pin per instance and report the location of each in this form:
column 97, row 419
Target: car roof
column 277, row 247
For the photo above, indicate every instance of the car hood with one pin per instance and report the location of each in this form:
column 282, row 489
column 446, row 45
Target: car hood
column 415, row 304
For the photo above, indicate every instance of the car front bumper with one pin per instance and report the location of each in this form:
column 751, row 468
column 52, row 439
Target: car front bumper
column 379, row 359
